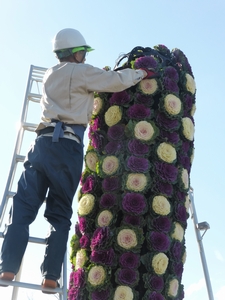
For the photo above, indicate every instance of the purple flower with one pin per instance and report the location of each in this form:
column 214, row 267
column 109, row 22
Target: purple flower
column 88, row 184
column 108, row 200
column 172, row 73
column 171, row 137
column 77, row 230
column 144, row 99
column 98, row 140
column 105, row 257
column 133, row 220
column 185, row 161
column 156, row 283
column 170, row 85
column 188, row 102
column 110, row 184
column 176, row 250
column 177, row 268
column 127, row 276
column 164, row 188
column 155, row 296
column 159, row 241
column 129, row 260
column 101, row 238
column 74, row 294
column 138, row 164
column 162, row 224
column 136, row 147
column 77, row 278
column 114, row 147
column 181, row 213
column 166, row 172
column 120, row 98
column 180, row 195
column 100, row 295
column 167, row 123
column 82, row 224
column 138, row 112
column 116, row 132
column 85, row 241
column 134, row 203
column 145, row 62
column 94, row 126
column 185, row 146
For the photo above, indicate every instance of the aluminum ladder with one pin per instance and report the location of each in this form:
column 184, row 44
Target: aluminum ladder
column 34, row 84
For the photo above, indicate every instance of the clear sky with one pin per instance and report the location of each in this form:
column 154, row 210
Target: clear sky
column 112, row 28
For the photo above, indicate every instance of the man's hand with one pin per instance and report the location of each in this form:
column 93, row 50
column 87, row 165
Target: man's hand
column 149, row 73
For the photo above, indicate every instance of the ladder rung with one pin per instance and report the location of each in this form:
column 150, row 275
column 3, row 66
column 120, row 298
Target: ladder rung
column 20, row 158
column 34, row 97
column 31, row 239
column 30, row 286
column 29, row 126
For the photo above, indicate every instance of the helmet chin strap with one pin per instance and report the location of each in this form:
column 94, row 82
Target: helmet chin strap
column 82, row 59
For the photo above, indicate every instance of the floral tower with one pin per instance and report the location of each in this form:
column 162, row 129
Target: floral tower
column 129, row 241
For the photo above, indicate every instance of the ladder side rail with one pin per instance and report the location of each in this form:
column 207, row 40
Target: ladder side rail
column 200, row 244
column 16, row 150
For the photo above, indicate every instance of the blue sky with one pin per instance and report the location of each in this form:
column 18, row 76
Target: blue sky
column 112, row 28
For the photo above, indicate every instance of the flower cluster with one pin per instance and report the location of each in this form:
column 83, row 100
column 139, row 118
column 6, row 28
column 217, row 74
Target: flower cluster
column 129, row 241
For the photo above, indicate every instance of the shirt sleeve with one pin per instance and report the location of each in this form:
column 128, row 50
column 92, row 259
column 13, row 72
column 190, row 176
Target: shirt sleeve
column 99, row 80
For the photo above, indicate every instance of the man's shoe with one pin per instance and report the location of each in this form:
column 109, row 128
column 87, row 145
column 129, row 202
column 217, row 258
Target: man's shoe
column 6, row 276
column 50, row 284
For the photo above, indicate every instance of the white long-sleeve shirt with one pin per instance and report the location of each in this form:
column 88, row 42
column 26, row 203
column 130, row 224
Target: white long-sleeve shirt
column 68, row 90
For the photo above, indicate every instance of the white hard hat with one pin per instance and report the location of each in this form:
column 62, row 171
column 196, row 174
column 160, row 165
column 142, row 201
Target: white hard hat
column 69, row 38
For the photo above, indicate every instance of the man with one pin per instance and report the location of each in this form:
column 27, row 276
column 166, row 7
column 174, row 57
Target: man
column 53, row 166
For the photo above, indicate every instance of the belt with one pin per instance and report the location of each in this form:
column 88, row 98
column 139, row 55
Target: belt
column 48, row 131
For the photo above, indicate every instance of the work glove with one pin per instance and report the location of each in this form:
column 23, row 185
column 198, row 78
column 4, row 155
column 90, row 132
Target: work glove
column 150, row 73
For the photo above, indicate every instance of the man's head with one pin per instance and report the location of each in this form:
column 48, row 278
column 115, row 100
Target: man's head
column 70, row 45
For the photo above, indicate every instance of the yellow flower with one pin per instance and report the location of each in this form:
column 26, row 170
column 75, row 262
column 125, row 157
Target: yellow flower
column 160, row 263
column 184, row 257
column 104, row 218
column 193, row 110
column 91, row 160
column 127, row 239
column 136, row 182
column 161, row 205
column 113, row 115
column 86, row 204
column 192, row 155
column 172, row 104
column 81, row 258
column 110, row 165
column 188, row 128
column 178, row 233
column 166, row 152
column 123, row 292
column 190, row 83
column 187, row 203
column 96, row 275
column 185, row 178
column 148, row 86
column 143, row 130
column 97, row 106
column 173, row 288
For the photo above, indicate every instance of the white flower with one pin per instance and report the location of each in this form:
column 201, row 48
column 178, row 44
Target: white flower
column 81, row 258
column 172, row 104
column 91, row 160
column 166, row 152
column 86, row 204
column 160, row 263
column 96, row 275
column 104, row 218
column 173, row 287
column 188, row 128
column 136, row 182
column 110, row 165
column 161, row 205
column 148, row 86
column 123, row 292
column 113, row 115
column 185, row 178
column 144, row 131
column 190, row 83
column 97, row 106
column 178, row 233
column 127, row 239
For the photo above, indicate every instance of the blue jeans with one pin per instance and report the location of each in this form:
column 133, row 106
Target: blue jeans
column 52, row 172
